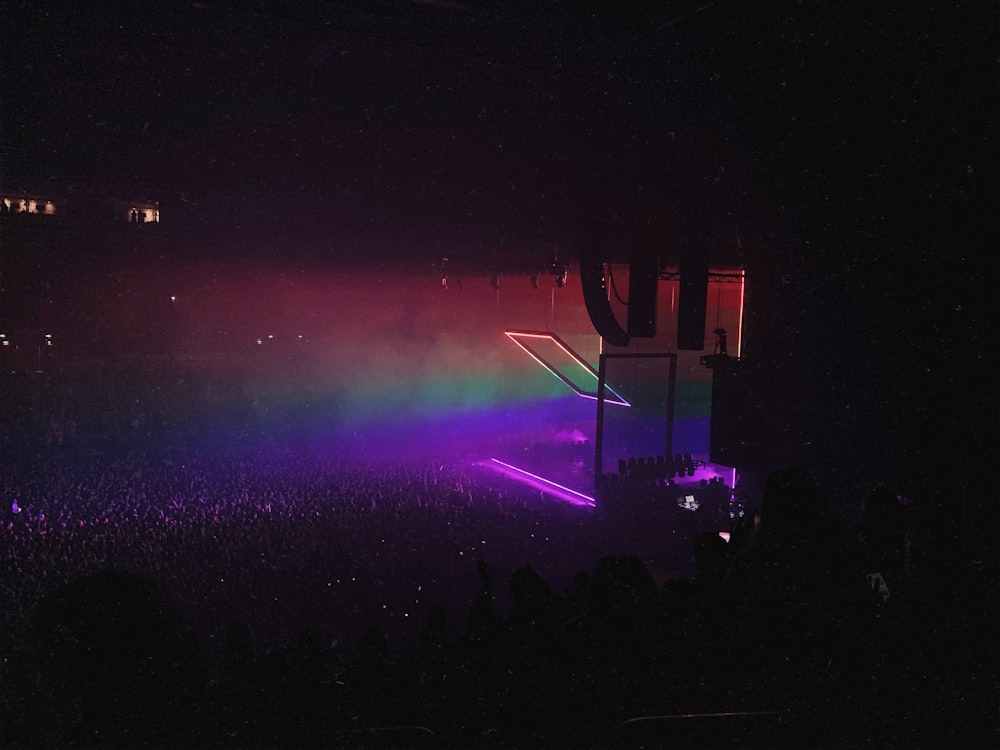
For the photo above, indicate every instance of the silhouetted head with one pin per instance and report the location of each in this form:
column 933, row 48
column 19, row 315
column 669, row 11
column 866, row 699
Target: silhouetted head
column 792, row 500
column 374, row 647
column 113, row 660
column 622, row 585
column 880, row 511
column 711, row 553
column 525, row 583
column 437, row 620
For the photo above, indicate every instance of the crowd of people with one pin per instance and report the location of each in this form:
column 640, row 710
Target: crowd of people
column 259, row 596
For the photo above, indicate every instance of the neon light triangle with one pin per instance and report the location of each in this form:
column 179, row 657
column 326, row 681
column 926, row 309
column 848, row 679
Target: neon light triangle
column 523, row 339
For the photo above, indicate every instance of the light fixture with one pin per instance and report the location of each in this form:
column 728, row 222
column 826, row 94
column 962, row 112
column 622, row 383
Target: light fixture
column 561, row 275
column 444, row 273
column 580, row 376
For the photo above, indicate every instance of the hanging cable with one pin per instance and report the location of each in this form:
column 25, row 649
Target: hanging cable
column 635, row 376
column 614, row 287
column 718, row 308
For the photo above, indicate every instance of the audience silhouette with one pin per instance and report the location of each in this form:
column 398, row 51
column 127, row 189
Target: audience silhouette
column 782, row 637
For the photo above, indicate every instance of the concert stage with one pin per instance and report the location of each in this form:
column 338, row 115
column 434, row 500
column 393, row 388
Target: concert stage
column 565, row 472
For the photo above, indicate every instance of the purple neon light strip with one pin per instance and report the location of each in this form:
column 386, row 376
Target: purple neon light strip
column 547, row 482
column 514, row 335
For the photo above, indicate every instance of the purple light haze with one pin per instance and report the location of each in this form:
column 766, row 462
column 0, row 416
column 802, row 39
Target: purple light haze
column 547, row 485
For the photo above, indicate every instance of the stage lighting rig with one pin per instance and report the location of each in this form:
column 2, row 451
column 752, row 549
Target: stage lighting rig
column 720, row 359
column 443, row 270
column 562, row 274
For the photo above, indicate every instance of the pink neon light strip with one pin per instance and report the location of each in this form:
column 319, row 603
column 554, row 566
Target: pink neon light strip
column 514, row 336
column 549, row 483
column 739, row 332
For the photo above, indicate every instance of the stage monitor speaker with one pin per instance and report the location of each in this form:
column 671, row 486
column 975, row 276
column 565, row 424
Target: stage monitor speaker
column 692, row 302
column 595, row 293
column 643, row 283
column 739, row 419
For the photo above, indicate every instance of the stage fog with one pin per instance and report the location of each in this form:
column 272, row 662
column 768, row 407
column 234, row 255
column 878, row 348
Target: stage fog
column 373, row 357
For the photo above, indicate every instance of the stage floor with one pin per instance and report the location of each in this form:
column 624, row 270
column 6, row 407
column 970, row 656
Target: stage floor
column 566, row 473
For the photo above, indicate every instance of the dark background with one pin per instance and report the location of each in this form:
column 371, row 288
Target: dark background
column 843, row 154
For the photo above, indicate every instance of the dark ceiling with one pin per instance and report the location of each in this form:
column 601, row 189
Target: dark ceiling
column 513, row 124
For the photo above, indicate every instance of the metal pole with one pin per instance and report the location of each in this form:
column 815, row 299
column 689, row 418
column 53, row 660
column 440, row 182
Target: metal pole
column 671, row 397
column 599, row 437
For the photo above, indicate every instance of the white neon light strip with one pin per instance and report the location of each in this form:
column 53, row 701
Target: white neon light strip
column 514, row 336
column 547, row 482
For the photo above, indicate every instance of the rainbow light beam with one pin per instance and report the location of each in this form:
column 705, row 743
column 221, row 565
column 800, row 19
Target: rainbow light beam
column 519, row 337
column 563, row 493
